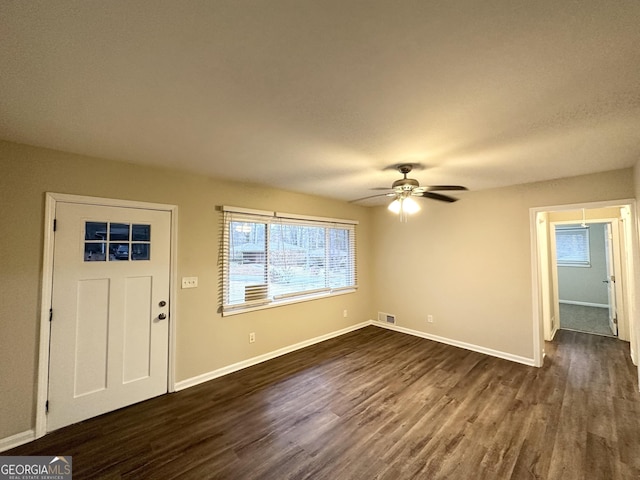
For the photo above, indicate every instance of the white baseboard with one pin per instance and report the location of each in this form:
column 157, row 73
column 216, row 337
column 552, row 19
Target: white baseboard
column 584, row 304
column 17, row 440
column 456, row 343
column 205, row 377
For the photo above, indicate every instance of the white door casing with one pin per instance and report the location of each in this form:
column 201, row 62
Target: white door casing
column 631, row 256
column 546, row 310
column 109, row 345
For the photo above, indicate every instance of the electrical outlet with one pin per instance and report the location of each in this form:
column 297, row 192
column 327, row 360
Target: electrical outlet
column 189, row 282
column 429, row 318
column 252, row 337
column 345, row 313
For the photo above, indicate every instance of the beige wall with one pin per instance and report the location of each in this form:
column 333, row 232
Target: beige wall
column 205, row 340
column 469, row 263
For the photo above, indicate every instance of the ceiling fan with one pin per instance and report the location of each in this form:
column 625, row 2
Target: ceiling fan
column 404, row 189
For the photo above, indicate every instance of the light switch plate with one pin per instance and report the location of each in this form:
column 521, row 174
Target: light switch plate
column 189, row 282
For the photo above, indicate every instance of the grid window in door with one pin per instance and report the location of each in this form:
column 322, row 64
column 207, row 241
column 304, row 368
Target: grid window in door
column 116, row 242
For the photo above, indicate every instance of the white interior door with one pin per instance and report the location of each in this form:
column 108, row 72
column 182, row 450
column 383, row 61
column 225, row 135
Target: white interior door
column 110, row 302
column 611, row 279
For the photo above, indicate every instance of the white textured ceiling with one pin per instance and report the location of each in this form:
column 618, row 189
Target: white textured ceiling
column 320, row 96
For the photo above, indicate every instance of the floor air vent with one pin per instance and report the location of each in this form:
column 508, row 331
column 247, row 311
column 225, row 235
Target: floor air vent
column 386, row 318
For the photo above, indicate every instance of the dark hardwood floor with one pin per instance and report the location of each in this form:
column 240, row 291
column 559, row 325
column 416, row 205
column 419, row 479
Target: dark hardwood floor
column 377, row 404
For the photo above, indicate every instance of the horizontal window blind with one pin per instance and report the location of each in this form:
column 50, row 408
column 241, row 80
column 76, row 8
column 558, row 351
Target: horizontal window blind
column 572, row 246
column 271, row 258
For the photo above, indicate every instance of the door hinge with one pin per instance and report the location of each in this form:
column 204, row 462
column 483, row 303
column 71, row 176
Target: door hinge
column 46, row 407
column 613, row 278
column 55, row 224
column 50, row 314
column 615, row 320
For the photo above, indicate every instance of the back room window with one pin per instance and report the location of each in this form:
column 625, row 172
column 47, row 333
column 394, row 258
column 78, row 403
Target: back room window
column 572, row 246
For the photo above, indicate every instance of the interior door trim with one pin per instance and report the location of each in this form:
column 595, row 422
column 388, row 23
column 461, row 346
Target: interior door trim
column 51, row 200
column 536, row 290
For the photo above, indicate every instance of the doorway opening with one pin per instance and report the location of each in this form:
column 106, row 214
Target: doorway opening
column 586, row 266
column 556, row 283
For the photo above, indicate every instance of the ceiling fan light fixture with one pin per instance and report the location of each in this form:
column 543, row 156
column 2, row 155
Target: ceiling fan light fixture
column 404, row 206
column 395, row 206
column 410, row 206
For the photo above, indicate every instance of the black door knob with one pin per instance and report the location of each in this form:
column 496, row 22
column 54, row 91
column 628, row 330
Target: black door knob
column 162, row 316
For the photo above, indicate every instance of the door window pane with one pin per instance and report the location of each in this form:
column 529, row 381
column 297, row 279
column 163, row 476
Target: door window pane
column 118, row 251
column 119, row 231
column 141, row 233
column 140, row 251
column 95, row 252
column 95, row 231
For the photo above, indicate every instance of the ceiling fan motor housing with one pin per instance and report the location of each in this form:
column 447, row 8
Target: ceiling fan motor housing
column 405, row 184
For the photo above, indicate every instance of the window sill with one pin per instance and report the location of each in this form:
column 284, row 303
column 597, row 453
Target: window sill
column 287, row 301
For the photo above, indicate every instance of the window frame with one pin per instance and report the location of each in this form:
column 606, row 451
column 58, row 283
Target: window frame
column 269, row 219
column 575, row 230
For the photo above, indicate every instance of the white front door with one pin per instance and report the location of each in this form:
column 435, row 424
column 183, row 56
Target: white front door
column 611, row 279
column 110, row 302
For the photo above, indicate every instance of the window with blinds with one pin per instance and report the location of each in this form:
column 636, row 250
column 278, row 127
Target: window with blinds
column 271, row 258
column 572, row 246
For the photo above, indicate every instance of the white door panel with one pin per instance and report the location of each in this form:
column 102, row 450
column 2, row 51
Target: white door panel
column 91, row 332
column 136, row 334
column 109, row 345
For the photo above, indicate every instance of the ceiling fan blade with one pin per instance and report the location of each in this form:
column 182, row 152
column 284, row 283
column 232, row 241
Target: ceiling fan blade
column 381, row 188
column 438, row 188
column 437, row 196
column 373, row 196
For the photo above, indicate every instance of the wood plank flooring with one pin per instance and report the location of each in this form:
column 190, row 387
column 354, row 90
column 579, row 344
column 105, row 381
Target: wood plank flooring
column 377, row 404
